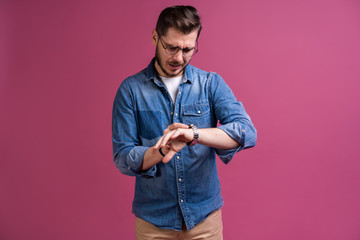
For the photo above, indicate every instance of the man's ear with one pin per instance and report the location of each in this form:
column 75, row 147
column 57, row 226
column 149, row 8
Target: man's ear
column 154, row 37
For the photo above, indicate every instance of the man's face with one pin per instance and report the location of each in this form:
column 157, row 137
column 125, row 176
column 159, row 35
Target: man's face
column 172, row 65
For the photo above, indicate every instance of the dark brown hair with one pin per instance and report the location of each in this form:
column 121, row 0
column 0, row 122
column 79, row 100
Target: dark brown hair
column 183, row 18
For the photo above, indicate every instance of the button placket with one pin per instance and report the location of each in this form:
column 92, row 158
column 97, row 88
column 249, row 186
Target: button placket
column 180, row 178
column 176, row 113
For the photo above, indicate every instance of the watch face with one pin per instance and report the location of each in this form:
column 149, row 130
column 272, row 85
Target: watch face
column 196, row 135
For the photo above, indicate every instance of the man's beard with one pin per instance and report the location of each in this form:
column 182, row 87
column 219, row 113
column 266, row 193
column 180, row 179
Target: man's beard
column 158, row 60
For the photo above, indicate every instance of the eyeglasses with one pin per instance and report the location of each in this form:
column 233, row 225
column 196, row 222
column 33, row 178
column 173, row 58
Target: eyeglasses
column 172, row 50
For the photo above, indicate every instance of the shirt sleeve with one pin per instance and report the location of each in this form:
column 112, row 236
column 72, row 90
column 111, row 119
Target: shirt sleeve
column 233, row 118
column 128, row 154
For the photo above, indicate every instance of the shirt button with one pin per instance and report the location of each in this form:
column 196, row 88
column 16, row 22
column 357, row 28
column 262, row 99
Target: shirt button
column 179, row 93
column 177, row 157
column 171, row 113
column 199, row 111
column 181, row 200
column 243, row 130
column 175, row 114
column 180, row 179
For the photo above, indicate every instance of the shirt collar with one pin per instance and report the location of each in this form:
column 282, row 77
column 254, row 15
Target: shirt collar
column 152, row 75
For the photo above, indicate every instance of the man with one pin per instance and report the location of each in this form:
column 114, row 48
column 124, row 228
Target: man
column 165, row 133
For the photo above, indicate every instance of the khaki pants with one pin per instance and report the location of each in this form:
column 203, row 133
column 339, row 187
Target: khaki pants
column 210, row 229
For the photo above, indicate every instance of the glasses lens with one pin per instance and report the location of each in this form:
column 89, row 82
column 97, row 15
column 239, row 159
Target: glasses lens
column 188, row 52
column 191, row 52
column 171, row 50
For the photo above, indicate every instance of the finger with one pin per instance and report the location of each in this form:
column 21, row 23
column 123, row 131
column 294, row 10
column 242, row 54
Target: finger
column 176, row 134
column 177, row 125
column 157, row 145
column 168, row 156
column 167, row 130
column 181, row 135
column 166, row 138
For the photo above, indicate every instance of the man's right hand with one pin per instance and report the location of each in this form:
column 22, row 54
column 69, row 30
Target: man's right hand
column 173, row 140
column 152, row 155
column 175, row 126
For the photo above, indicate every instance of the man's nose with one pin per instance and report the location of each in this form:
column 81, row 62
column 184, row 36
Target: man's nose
column 178, row 56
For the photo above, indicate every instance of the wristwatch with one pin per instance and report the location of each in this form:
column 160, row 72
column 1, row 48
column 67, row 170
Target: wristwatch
column 196, row 135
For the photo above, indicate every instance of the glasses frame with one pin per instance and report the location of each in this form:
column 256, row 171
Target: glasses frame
column 196, row 48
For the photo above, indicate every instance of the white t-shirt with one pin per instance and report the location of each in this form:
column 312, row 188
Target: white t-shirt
column 172, row 85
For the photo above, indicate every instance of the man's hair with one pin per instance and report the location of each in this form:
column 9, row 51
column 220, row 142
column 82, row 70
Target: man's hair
column 183, row 18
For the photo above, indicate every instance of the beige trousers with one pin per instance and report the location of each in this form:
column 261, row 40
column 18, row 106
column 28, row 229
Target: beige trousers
column 210, row 229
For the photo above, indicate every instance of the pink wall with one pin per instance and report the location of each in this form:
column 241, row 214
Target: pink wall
column 294, row 64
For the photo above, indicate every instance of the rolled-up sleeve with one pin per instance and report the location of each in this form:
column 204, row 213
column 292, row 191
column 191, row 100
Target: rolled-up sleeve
column 233, row 118
column 128, row 154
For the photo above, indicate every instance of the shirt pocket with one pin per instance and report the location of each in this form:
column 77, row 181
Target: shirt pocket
column 150, row 124
column 197, row 113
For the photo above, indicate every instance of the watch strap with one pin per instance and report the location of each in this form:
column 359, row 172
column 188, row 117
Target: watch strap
column 196, row 135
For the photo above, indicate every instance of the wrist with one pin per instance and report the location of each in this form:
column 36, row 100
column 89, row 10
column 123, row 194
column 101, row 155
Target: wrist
column 195, row 132
column 163, row 151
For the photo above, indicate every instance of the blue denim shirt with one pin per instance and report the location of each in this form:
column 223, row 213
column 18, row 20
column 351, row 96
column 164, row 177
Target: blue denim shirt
column 186, row 188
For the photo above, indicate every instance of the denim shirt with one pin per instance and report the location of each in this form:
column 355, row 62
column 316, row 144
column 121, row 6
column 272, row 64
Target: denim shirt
column 186, row 188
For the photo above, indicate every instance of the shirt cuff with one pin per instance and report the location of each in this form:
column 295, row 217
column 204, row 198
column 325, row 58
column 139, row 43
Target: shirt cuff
column 233, row 130
column 135, row 159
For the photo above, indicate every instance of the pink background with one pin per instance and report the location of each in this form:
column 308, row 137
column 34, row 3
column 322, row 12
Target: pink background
column 294, row 65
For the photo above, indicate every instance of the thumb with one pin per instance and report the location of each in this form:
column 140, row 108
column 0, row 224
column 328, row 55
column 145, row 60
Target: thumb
column 168, row 156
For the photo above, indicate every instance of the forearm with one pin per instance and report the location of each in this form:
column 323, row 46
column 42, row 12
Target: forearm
column 216, row 138
column 212, row 137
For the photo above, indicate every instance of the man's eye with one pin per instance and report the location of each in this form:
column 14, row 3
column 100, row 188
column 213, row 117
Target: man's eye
column 187, row 50
column 173, row 49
